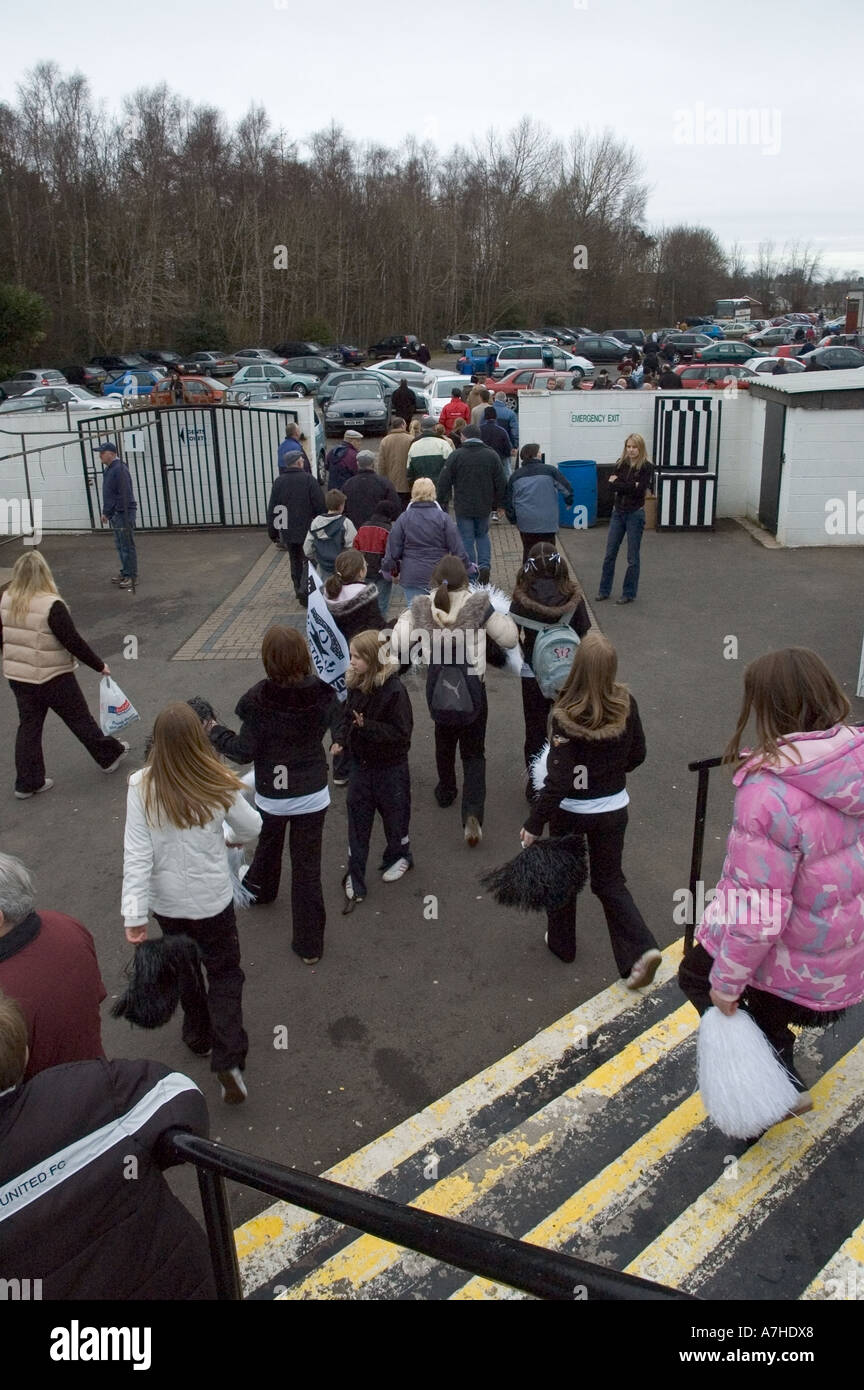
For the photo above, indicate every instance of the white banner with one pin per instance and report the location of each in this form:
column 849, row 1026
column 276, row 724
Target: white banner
column 327, row 646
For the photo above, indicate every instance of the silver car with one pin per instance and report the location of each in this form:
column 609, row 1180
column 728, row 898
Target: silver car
column 357, row 403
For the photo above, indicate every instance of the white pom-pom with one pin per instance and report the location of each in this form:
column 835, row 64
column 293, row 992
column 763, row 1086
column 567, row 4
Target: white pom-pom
column 744, row 1086
column 538, row 767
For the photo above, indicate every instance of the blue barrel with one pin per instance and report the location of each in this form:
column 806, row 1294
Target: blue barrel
column 581, row 474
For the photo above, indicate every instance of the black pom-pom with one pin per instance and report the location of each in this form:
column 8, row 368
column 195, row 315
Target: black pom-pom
column 545, row 875
column 202, row 708
column 158, row 971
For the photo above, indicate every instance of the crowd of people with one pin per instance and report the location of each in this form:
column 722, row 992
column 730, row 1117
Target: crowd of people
column 796, row 828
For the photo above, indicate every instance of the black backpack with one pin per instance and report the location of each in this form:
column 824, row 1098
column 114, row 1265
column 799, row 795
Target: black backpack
column 453, row 693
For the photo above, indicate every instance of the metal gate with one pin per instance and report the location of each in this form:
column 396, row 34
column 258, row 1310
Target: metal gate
column 191, row 465
column 772, row 465
column 686, row 447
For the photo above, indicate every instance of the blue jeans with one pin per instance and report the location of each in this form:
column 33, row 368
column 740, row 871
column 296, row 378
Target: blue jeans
column 384, row 587
column 631, row 524
column 476, row 529
column 124, row 540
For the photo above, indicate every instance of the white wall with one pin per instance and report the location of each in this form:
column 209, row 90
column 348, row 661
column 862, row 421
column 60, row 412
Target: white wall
column 56, row 474
column 824, row 459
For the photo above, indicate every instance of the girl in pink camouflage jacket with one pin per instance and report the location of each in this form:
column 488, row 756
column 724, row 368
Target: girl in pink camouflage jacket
column 784, row 935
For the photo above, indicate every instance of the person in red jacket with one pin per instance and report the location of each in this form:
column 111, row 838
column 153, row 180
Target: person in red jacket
column 48, row 966
column 455, row 409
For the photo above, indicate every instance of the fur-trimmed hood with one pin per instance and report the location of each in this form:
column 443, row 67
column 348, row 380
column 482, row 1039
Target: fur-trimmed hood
column 570, row 730
column 343, row 607
column 546, row 603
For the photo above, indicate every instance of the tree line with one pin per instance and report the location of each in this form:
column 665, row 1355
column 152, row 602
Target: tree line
column 159, row 226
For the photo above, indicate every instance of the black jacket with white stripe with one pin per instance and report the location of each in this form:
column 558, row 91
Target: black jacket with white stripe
column 83, row 1203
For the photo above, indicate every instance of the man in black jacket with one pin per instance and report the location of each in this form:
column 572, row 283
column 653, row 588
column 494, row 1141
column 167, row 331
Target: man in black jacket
column 366, row 490
column 475, row 475
column 84, row 1207
column 295, row 500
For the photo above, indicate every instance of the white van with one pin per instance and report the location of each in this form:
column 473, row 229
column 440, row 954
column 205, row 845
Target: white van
column 541, row 355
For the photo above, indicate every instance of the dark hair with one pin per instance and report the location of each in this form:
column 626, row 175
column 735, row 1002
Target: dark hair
column 529, row 451
column 489, row 413
column 396, row 421
column 456, row 393
column 485, row 394
column 449, row 574
column 285, row 655
column 334, row 499
column 545, row 561
column 348, row 569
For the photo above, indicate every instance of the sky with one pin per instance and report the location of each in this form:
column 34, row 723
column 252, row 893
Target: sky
column 672, row 77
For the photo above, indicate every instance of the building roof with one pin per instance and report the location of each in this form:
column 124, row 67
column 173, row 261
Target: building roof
column 809, row 383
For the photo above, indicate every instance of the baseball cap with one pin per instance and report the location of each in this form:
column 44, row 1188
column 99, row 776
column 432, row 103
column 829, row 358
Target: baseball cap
column 103, row 445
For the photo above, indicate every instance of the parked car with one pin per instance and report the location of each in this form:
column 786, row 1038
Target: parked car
column 507, row 335
column 440, row 393
column 714, row 377
column 58, row 397
column 280, row 378
column 118, row 362
column 84, row 374
column 764, row 366
column 313, row 364
column 345, row 353
column 197, row 390
column 563, row 336
column 775, row 335
column 138, row 382
column 246, row 355
column 687, row 345
column 298, row 348
column 478, row 359
column 327, row 384
column 834, row 359
column 732, row 328
column 33, row 376
column 213, row 363
column 840, row 340
column 357, row 403
column 628, row 336
column 458, row 342
column 406, row 343
column 723, row 352
column 161, row 357
column 599, row 347
column 539, row 355
column 404, row 366
column 528, row 379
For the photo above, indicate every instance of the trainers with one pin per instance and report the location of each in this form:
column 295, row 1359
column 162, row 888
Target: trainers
column 200, row 1046
column 803, row 1105
column 473, row 831
column 45, row 787
column 340, row 781
column 127, row 584
column 621, row 600
column 119, row 759
column 310, row 960
column 118, row 578
column 397, row 870
column 600, row 598
column 233, row 1086
column 644, row 970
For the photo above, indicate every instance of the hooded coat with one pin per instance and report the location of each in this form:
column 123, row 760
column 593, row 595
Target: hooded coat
column 797, row 829
column 282, row 727
column 469, row 611
column 355, row 609
column 603, row 758
column 420, row 537
column 388, row 720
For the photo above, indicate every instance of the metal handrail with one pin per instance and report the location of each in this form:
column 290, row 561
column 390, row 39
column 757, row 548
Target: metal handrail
column 703, row 766
column 547, row 1274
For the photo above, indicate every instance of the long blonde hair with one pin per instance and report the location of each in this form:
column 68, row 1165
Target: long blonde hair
column 376, row 654
column 591, row 697
column 184, row 781
column 643, row 460
column 30, row 576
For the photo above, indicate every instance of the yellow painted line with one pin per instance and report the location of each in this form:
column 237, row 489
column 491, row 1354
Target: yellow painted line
column 619, row 1184
column 843, row 1275
column 271, row 1241
column 676, row 1256
column 368, row 1257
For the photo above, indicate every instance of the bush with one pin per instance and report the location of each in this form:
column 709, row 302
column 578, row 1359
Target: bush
column 23, row 322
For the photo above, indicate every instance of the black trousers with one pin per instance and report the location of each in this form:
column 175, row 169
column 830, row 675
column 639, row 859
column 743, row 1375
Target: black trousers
column 532, row 538
column 265, row 873
column 220, row 1022
column 64, row 695
column 470, row 741
column 772, row 1013
column 630, row 937
column 535, row 708
column 299, row 569
column 386, row 790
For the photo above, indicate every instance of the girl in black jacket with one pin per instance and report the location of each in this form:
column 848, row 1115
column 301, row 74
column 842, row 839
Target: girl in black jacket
column 353, row 606
column 375, row 729
column 596, row 738
column 630, row 482
column 284, row 721
column 544, row 592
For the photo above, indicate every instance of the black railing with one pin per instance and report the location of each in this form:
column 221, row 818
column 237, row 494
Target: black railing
column 703, row 768
column 546, row 1274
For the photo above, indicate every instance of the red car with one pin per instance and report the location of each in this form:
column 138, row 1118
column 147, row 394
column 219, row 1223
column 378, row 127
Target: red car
column 526, row 378
column 197, row 390
column 713, row 376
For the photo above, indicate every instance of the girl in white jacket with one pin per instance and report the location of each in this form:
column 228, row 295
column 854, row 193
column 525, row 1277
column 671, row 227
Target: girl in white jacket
column 176, row 866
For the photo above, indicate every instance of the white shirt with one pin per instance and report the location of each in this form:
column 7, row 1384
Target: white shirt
column 294, row 805
column 596, row 804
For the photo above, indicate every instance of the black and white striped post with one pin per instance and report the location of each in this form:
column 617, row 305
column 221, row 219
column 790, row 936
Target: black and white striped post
column 685, row 451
